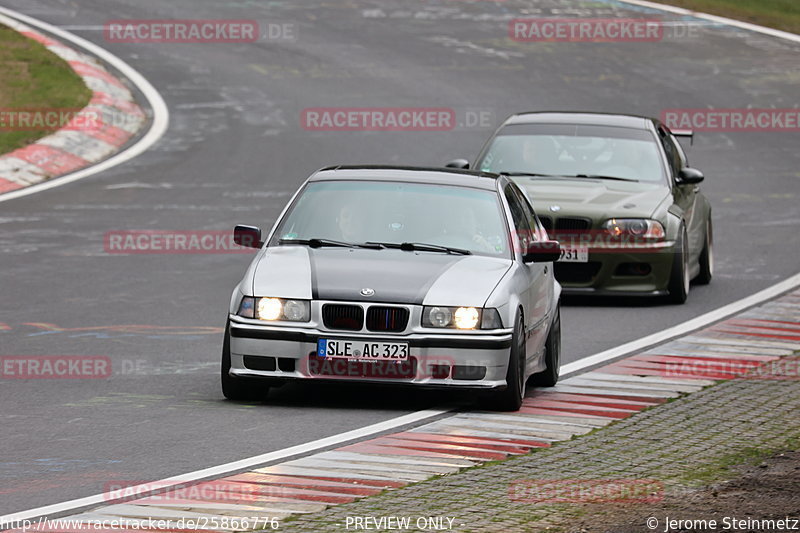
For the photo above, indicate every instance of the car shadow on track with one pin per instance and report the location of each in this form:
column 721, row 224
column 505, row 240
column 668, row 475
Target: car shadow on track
column 389, row 396
column 612, row 301
column 573, row 300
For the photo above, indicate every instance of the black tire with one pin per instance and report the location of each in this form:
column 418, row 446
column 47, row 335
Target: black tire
column 238, row 389
column 549, row 376
column 679, row 279
column 510, row 398
column 707, row 257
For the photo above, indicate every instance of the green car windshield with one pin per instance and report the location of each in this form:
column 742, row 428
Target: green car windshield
column 559, row 150
column 392, row 212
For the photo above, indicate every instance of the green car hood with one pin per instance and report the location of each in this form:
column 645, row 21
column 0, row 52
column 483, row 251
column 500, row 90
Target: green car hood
column 595, row 199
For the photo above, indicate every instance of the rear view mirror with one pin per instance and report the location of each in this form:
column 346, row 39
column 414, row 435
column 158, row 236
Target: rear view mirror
column 247, row 236
column 542, row 252
column 690, row 175
column 458, row 163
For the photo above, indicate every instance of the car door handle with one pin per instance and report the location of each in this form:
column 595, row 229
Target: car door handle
column 545, row 269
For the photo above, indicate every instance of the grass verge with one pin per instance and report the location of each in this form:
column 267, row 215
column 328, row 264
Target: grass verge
column 32, row 77
column 779, row 14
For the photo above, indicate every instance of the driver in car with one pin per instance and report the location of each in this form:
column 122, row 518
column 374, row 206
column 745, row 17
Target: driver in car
column 540, row 155
column 461, row 230
column 350, row 222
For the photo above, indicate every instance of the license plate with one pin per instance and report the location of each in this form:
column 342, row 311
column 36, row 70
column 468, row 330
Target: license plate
column 362, row 350
column 574, row 255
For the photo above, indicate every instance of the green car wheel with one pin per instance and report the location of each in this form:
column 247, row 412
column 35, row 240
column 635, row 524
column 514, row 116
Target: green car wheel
column 679, row 280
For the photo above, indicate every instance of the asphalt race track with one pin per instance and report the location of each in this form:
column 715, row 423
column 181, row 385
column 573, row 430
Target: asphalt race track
column 235, row 150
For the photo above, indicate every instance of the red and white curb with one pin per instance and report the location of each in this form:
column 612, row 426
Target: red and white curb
column 118, row 118
column 577, row 405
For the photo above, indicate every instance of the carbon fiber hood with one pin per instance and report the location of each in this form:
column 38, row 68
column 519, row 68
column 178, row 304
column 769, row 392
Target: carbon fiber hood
column 395, row 276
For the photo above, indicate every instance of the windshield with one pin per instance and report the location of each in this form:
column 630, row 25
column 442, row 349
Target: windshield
column 395, row 212
column 574, row 152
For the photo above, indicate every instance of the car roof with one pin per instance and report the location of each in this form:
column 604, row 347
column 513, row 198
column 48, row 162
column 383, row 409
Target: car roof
column 411, row 174
column 580, row 117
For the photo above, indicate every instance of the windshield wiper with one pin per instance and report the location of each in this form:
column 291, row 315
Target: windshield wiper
column 590, row 176
column 601, row 177
column 529, row 174
column 319, row 243
column 421, row 247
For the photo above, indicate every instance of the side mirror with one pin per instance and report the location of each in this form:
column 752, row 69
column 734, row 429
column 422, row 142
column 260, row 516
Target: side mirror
column 689, row 175
column 247, row 236
column 542, row 252
column 458, row 163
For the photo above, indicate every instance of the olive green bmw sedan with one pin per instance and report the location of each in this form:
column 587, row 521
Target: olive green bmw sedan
column 617, row 192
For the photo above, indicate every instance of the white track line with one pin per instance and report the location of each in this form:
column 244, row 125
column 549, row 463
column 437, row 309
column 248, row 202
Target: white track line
column 568, row 369
column 154, row 100
column 233, row 466
column 682, row 328
column 714, row 18
column 571, row 368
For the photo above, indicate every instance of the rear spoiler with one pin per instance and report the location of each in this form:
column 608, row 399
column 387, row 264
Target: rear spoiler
column 685, row 133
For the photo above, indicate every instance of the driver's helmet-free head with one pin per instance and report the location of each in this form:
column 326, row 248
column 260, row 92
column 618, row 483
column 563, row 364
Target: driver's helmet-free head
column 350, row 222
column 625, row 161
column 540, row 154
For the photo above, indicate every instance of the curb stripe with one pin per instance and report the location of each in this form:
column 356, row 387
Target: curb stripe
column 33, row 182
column 576, row 406
column 68, row 150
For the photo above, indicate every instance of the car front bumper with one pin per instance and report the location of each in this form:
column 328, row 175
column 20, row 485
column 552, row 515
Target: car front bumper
column 475, row 360
column 643, row 271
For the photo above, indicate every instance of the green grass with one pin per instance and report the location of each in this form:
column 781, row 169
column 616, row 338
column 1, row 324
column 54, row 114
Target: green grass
column 723, row 467
column 780, row 14
column 32, row 77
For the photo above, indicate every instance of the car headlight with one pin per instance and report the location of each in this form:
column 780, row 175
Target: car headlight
column 460, row 318
column 636, row 227
column 274, row 309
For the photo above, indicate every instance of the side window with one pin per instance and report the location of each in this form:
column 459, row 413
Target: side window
column 537, row 232
column 673, row 153
column 681, row 153
column 518, row 215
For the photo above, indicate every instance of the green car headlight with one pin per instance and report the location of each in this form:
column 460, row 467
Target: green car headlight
column 460, row 318
column 275, row 309
column 643, row 228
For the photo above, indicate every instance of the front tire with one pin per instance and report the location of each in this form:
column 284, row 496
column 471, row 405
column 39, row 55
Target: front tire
column 510, row 399
column 238, row 389
column 549, row 376
column 707, row 257
column 679, row 277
